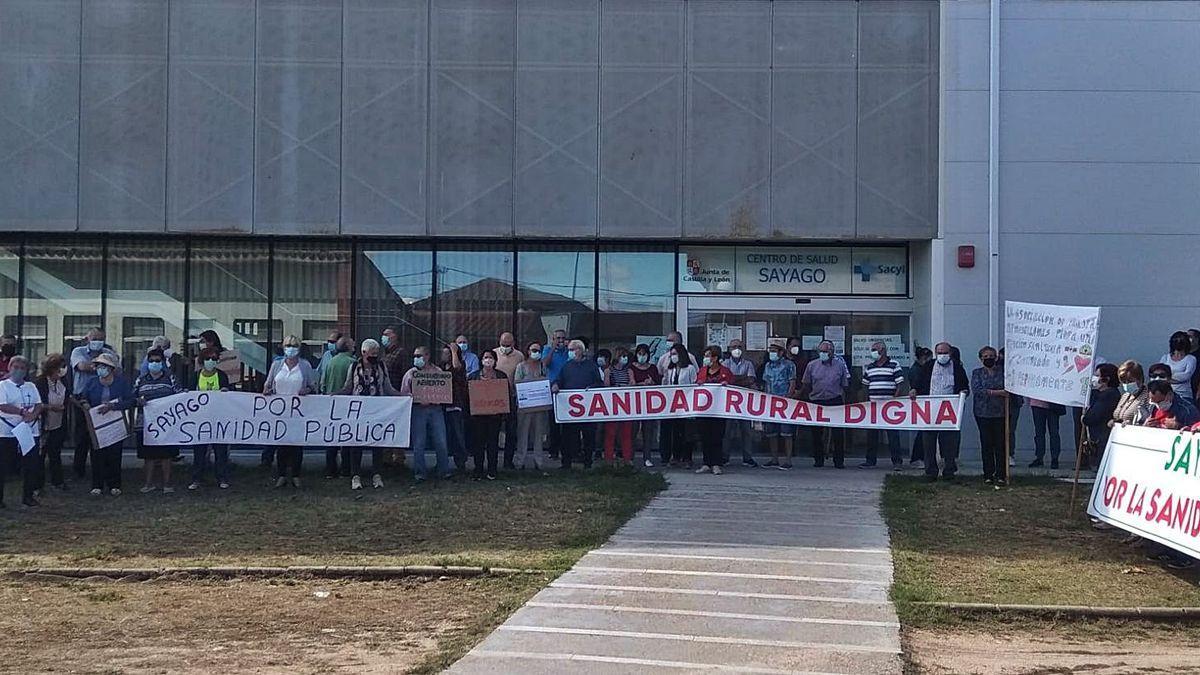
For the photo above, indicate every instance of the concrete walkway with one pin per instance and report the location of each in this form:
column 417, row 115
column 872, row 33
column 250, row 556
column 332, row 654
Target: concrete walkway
column 756, row 571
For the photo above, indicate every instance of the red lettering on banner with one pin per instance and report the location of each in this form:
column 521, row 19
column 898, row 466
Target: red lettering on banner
column 699, row 405
column 1136, row 508
column 1153, row 512
column 1164, row 516
column 821, row 414
column 575, row 405
column 598, row 407
column 1120, row 496
column 656, row 401
column 1181, row 514
column 893, row 412
column 733, row 401
column 638, row 400
column 920, row 411
column 778, row 406
column 620, row 403
column 756, row 410
column 679, row 402
column 800, row 411
column 946, row 413
column 1110, row 487
column 855, row 413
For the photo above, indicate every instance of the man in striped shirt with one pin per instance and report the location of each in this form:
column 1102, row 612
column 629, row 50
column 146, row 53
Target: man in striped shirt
column 882, row 377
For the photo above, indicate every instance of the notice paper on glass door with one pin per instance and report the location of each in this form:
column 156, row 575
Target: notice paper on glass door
column 836, row 335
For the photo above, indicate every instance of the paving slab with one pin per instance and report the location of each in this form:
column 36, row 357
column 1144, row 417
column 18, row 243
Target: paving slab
column 752, row 571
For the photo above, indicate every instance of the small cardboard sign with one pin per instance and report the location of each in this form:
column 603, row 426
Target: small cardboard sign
column 106, row 429
column 488, row 397
column 534, row 395
column 433, row 387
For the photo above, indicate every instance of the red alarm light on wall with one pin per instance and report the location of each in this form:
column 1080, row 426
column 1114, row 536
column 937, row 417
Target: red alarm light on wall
column 966, row 256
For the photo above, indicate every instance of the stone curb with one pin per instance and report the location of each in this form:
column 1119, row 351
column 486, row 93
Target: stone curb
column 299, row 571
column 1078, row 611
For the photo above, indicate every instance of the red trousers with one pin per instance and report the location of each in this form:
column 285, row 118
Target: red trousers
column 611, row 431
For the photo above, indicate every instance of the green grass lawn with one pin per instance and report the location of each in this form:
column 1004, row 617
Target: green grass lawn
column 528, row 522
column 967, row 542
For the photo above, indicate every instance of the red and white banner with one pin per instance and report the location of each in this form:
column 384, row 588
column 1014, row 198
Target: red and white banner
column 929, row 413
column 1149, row 484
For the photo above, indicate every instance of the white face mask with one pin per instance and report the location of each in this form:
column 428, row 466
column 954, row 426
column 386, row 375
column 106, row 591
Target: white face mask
column 708, row 361
column 943, row 359
column 505, row 350
column 736, row 353
column 795, row 350
column 674, row 358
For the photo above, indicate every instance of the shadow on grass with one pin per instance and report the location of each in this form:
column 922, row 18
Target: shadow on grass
column 520, row 520
column 968, row 542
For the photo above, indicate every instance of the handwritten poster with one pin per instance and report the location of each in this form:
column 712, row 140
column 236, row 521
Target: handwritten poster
column 1050, row 351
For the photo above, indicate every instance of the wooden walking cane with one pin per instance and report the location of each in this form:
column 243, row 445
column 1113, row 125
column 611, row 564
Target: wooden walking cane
column 1007, row 442
column 1083, row 441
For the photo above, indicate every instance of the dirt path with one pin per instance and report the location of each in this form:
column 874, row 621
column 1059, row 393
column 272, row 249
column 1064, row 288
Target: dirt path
column 944, row 652
column 247, row 626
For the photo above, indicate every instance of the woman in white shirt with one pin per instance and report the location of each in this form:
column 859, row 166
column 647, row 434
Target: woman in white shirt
column 1182, row 363
column 673, row 434
column 20, row 405
column 290, row 376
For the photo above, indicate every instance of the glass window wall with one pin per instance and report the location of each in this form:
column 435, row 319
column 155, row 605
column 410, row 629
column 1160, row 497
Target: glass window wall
column 63, row 284
column 637, row 296
column 145, row 297
column 556, row 289
column 311, row 291
column 228, row 295
column 475, row 294
column 394, row 289
column 10, row 292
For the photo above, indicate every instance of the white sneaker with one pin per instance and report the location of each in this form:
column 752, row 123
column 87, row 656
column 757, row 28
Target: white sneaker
column 168, row 490
column 224, row 486
column 717, row 471
column 296, row 483
column 377, row 481
column 280, row 482
column 704, row 469
column 194, row 486
column 649, row 464
column 355, row 483
column 1012, row 461
column 96, row 492
column 116, row 492
column 146, row 489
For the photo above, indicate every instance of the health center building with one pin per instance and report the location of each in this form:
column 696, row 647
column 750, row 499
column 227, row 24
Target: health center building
column 753, row 169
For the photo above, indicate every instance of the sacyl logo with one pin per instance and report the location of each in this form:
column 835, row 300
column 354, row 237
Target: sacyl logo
column 866, row 268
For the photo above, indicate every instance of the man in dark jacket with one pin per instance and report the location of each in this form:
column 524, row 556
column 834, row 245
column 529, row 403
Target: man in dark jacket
column 579, row 372
column 942, row 376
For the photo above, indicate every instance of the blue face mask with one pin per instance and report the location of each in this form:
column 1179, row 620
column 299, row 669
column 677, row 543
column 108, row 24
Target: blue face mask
column 824, row 356
column 384, row 341
column 96, row 345
column 601, row 361
column 535, row 354
column 291, row 352
column 462, row 346
column 331, row 346
column 103, row 371
column 155, row 366
column 418, row 362
column 17, row 375
column 774, row 356
column 210, row 364
column 1129, row 387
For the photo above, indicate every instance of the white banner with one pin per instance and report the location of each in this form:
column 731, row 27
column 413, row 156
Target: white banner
column 1049, row 351
column 199, row 417
column 942, row 413
column 1149, row 484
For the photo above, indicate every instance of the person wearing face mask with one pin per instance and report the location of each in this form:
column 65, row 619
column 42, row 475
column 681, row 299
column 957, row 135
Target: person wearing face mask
column 83, row 372
column 797, row 355
column 8, row 349
column 469, row 359
column 1167, row 410
column 458, row 439
column 921, row 356
column 779, row 378
column 1135, row 398
column 367, row 377
column 395, row 360
column 508, row 357
column 20, row 403
column 328, row 351
column 176, row 364
column 643, row 373
column 1015, row 402
column 943, row 376
column 673, row 338
column 331, row 380
column 1106, row 395
column 824, row 382
column 1182, row 364
column 737, row 432
column 210, row 378
column 485, row 429
column 554, row 357
column 712, row 429
column 52, row 388
column 619, row 374
column 290, row 376
column 580, row 372
column 229, row 362
column 531, row 424
column 987, row 397
column 882, row 377
column 428, row 421
column 109, row 390
column 158, row 382
column 673, row 435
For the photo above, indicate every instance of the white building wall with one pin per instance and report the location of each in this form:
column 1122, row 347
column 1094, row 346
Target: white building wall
column 1099, row 156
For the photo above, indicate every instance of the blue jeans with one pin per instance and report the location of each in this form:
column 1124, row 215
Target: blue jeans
column 1045, row 424
column 893, row 438
column 429, row 426
column 220, row 461
column 737, row 438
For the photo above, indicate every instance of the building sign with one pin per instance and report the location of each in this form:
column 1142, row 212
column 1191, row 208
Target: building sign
column 834, row 270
